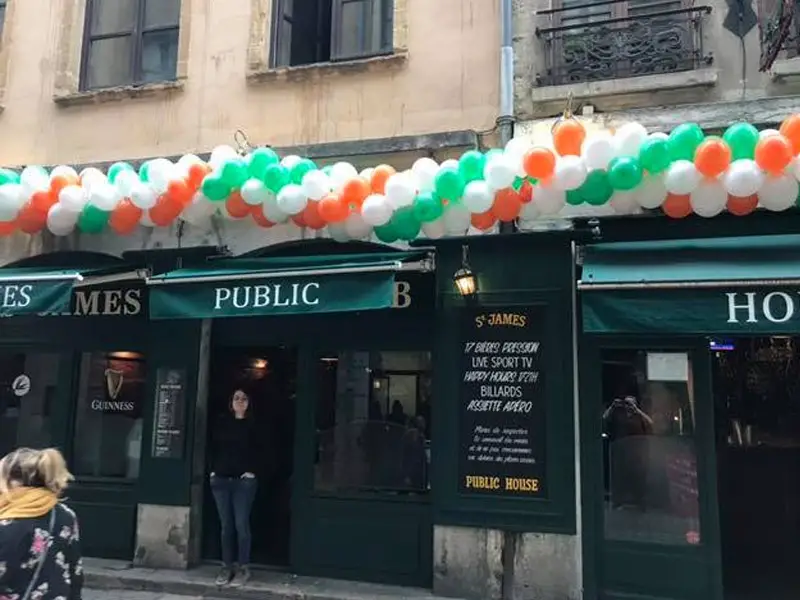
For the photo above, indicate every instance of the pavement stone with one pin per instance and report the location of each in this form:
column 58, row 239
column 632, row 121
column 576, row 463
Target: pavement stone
column 89, row 594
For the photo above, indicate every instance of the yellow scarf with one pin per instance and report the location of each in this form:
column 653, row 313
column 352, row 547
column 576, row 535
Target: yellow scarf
column 27, row 503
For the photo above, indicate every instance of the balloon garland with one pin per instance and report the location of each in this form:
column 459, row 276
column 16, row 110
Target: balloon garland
column 680, row 173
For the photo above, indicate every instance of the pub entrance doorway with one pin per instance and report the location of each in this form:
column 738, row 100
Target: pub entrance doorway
column 269, row 376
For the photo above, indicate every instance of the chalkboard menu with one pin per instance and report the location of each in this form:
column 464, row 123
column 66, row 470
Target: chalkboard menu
column 502, row 430
column 168, row 432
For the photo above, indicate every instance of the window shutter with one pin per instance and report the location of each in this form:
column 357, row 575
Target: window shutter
column 359, row 28
column 282, row 34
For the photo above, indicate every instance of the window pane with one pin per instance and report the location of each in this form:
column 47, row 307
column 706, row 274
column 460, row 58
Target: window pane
column 159, row 55
column 162, row 13
column 373, row 422
column 108, row 423
column 649, row 453
column 109, row 63
column 113, row 16
column 354, row 33
column 27, row 387
column 2, row 17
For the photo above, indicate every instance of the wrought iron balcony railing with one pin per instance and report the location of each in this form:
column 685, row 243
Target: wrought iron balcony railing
column 615, row 39
column 779, row 29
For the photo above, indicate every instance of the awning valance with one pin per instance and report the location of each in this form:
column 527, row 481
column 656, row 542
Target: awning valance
column 240, row 287
column 710, row 286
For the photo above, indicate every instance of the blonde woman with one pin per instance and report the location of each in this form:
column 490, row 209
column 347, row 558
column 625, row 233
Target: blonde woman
column 40, row 556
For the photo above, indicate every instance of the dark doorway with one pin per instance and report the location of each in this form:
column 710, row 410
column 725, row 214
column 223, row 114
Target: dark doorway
column 757, row 403
column 269, row 375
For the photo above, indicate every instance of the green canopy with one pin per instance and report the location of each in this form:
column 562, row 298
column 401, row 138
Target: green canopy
column 240, row 287
column 745, row 285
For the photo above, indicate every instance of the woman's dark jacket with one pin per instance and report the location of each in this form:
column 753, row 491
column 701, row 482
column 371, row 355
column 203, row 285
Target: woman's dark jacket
column 235, row 447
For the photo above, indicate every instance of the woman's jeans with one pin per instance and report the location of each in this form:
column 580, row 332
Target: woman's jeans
column 234, row 498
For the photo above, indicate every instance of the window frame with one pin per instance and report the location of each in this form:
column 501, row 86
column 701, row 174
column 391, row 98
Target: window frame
column 136, row 34
column 4, row 7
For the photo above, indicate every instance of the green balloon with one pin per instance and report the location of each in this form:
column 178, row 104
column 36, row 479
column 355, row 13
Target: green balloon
column 624, row 173
column 742, row 139
column 654, row 155
column 144, row 171
column 684, row 140
column 574, row 197
column 405, row 223
column 92, row 219
column 449, row 184
column 117, row 168
column 471, row 165
column 8, row 176
column 596, row 190
column 427, row 207
column 386, row 233
column 234, row 173
column 214, row 188
column 299, row 170
column 493, row 152
column 275, row 177
column 258, row 161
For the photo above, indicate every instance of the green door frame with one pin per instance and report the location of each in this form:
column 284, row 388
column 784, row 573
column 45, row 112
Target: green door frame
column 596, row 551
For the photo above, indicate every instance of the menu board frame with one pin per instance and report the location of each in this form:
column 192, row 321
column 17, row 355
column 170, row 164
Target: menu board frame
column 502, row 441
column 169, row 431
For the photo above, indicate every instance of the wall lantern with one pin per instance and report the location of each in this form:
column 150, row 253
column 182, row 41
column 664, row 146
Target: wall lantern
column 464, row 278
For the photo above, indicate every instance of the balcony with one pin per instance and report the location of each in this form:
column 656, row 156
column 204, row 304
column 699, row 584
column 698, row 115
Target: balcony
column 779, row 32
column 615, row 39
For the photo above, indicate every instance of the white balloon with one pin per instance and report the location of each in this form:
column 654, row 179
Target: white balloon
column 570, row 173
column 91, row 175
column 11, row 201
column 145, row 220
column 356, row 227
column 548, row 199
column 341, row 172
column 433, row 230
column 767, row 133
column 142, row 196
column 598, row 151
column 104, row 196
column 220, row 155
column 366, row 174
column 425, row 170
column 709, row 198
column 316, row 185
column 478, row 197
column 63, row 171
column 60, row 221
column 518, row 146
column 34, row 179
column 652, row 192
column 291, row 199
column 456, row 219
column 199, row 211
column 125, row 182
column 290, row 161
column 499, row 172
column 778, row 193
column 254, row 192
column 272, row 211
column 338, row 232
column 72, row 198
column 450, row 163
column 682, row 177
column 658, row 135
column 400, row 190
column 743, row 178
column 376, row 210
column 629, row 138
column 624, row 202
column 160, row 173
column 187, row 160
column 529, row 212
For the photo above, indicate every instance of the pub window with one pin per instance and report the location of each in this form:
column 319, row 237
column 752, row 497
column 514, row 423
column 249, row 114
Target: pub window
column 374, row 422
column 649, row 460
column 319, row 31
column 28, row 383
column 108, row 422
column 130, row 42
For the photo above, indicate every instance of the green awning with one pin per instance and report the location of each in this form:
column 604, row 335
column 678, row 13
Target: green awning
column 706, row 286
column 240, row 287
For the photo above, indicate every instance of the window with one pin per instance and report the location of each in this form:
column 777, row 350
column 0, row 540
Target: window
column 373, row 422
column 3, row 4
column 108, row 423
column 130, row 42
column 27, row 388
column 650, row 467
column 316, row 31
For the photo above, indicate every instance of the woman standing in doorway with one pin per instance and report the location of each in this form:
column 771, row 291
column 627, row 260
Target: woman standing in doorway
column 234, row 457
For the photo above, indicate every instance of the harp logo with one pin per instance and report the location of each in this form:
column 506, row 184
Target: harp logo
column 21, row 385
column 114, row 381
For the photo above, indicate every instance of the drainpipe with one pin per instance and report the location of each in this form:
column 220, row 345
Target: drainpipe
column 505, row 122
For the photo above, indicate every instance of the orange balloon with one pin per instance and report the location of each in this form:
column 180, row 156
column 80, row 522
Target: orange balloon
column 712, row 157
column 507, row 205
column 773, row 154
column 125, row 217
column 258, row 217
column 355, row 191
column 677, row 206
column 483, row 221
column 311, row 216
column 7, row 227
column 741, row 206
column 179, row 191
column 539, row 163
column 59, row 182
column 526, row 192
column 568, row 136
column 196, row 174
column 790, row 129
column 165, row 211
column 298, row 220
column 380, row 175
column 43, row 200
column 332, row 209
column 236, row 206
column 31, row 219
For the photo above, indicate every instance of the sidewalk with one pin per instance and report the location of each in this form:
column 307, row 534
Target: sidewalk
column 104, row 574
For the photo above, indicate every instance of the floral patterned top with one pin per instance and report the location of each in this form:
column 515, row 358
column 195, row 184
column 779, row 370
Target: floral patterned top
column 22, row 542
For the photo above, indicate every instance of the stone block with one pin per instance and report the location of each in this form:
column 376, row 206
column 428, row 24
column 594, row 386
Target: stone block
column 547, row 567
column 162, row 537
column 467, row 562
